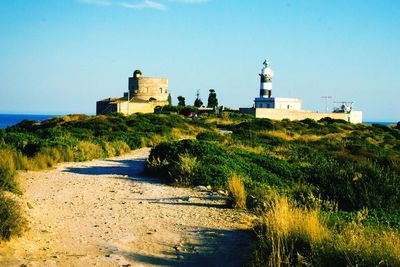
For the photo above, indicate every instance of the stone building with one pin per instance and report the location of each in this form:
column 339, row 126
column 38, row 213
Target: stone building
column 277, row 108
column 144, row 95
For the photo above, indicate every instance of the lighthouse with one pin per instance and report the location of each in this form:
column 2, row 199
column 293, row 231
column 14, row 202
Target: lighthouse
column 266, row 80
column 266, row 100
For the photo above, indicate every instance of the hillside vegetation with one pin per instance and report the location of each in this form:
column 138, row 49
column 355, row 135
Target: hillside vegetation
column 33, row 145
column 327, row 192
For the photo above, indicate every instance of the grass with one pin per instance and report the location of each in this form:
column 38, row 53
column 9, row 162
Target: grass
column 185, row 169
column 12, row 223
column 236, row 192
column 293, row 236
column 8, row 172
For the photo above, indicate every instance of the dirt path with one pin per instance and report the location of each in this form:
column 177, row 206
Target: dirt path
column 105, row 213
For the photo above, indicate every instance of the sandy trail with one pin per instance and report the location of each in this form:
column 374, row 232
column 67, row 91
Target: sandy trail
column 105, row 213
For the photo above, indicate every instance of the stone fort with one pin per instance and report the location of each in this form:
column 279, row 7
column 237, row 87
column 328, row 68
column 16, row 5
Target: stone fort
column 144, row 95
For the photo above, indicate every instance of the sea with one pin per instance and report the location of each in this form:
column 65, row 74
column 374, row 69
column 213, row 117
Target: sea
column 7, row 120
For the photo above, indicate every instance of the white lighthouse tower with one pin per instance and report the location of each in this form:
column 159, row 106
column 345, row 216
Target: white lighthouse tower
column 265, row 100
column 266, row 80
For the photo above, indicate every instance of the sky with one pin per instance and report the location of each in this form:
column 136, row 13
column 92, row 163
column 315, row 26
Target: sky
column 61, row 56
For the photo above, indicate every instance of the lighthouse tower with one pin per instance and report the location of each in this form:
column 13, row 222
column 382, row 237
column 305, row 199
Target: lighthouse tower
column 266, row 80
column 265, row 100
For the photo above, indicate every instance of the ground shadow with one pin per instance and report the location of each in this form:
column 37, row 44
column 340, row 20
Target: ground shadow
column 213, row 247
column 134, row 169
column 185, row 201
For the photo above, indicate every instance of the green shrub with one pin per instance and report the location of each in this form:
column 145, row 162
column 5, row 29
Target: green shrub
column 12, row 222
column 210, row 136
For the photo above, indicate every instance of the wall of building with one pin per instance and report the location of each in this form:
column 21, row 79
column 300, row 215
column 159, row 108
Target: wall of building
column 278, row 103
column 288, row 103
column 144, row 88
column 280, row 114
column 135, row 107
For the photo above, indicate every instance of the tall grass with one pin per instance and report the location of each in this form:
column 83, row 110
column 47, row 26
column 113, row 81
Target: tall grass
column 87, row 151
column 290, row 235
column 8, row 172
column 11, row 221
column 237, row 192
column 185, row 169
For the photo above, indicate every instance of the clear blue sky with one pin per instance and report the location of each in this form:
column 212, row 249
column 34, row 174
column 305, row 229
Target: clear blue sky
column 61, row 56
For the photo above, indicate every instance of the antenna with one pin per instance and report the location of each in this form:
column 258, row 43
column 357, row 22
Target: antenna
column 326, row 97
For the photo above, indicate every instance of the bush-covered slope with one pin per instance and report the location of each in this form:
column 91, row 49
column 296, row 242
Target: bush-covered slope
column 339, row 178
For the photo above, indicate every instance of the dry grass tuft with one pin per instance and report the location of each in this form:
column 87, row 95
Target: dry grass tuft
column 251, row 149
column 296, row 236
column 237, row 192
column 280, row 134
column 12, row 222
column 186, row 172
column 120, row 147
column 8, row 172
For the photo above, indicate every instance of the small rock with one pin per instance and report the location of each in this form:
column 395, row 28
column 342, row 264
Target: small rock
column 208, row 187
column 200, row 188
column 221, row 192
column 185, row 198
column 179, row 257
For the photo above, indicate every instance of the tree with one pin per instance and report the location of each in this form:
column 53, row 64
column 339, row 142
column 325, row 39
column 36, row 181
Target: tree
column 198, row 103
column 169, row 99
column 181, row 101
column 212, row 99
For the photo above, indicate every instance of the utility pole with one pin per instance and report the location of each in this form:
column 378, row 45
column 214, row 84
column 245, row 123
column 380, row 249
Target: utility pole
column 326, row 97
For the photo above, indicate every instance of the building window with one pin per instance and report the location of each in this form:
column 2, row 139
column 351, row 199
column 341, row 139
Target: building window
column 160, row 90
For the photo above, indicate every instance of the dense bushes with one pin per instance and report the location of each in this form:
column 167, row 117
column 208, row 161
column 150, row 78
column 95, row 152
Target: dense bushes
column 215, row 165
